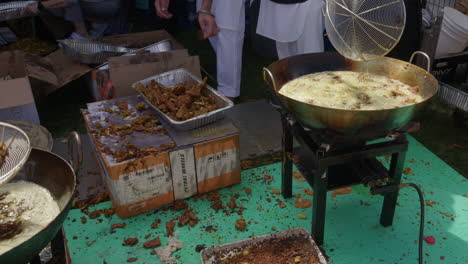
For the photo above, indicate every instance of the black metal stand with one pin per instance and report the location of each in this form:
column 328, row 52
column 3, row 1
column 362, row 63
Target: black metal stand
column 326, row 167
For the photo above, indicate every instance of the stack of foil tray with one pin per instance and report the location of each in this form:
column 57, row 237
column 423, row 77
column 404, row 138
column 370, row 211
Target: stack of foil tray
column 14, row 10
column 161, row 46
column 91, row 52
column 454, row 96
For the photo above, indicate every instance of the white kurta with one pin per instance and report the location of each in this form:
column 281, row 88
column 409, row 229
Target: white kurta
column 228, row 43
column 296, row 28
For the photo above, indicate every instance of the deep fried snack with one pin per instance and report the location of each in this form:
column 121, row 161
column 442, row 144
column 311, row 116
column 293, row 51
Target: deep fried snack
column 181, row 102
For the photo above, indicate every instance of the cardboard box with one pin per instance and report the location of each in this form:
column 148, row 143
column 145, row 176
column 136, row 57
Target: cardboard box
column 213, row 151
column 19, row 72
column 203, row 160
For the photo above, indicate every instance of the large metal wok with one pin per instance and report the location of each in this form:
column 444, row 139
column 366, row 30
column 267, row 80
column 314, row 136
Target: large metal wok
column 58, row 176
column 359, row 123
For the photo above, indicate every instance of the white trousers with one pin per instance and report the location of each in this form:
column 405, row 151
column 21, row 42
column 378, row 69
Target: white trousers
column 228, row 47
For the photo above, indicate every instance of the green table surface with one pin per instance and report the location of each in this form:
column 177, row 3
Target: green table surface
column 352, row 233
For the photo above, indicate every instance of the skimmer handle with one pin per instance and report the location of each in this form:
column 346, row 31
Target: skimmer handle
column 74, row 141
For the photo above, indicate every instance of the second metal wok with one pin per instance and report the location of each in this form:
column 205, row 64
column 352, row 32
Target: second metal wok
column 56, row 175
column 362, row 123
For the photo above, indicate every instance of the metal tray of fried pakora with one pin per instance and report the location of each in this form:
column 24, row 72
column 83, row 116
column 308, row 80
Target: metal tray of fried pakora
column 14, row 10
column 179, row 76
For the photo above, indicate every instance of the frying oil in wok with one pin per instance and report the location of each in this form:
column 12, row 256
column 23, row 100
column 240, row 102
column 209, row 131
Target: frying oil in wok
column 25, row 209
column 349, row 90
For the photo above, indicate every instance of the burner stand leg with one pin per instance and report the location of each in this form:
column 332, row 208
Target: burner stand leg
column 390, row 200
column 319, row 206
column 286, row 173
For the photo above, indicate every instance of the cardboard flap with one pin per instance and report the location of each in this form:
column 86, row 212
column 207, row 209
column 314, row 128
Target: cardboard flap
column 15, row 92
column 124, row 71
column 40, row 68
column 66, row 68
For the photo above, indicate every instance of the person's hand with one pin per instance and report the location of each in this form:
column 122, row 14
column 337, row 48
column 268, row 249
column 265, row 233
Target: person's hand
column 208, row 25
column 162, row 7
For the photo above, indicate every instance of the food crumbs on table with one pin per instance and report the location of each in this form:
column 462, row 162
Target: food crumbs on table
column 302, row 203
column 156, row 223
column 446, row 214
column 152, row 243
column 308, row 191
column 153, row 252
column 147, row 236
column 298, row 177
column 109, row 212
column 408, row 171
column 188, row 217
column 83, row 220
column 179, row 205
column 341, row 191
column 130, row 242
column 132, row 259
column 442, row 257
column 232, row 203
column 118, row 225
column 275, row 191
column 364, row 203
column 90, row 243
column 248, row 190
column 95, row 214
column 280, row 203
column 273, row 228
column 240, row 224
column 75, row 237
column 170, row 228
column 428, row 203
column 301, row 216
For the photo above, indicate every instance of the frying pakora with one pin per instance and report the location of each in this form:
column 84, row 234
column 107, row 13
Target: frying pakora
column 181, row 102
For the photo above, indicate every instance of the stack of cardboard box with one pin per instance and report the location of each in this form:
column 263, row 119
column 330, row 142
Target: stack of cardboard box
column 199, row 161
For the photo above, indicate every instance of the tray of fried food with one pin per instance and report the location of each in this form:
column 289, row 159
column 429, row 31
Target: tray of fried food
column 292, row 246
column 183, row 100
column 14, row 10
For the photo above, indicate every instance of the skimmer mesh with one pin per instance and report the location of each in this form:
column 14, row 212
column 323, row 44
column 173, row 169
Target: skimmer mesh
column 364, row 29
column 18, row 148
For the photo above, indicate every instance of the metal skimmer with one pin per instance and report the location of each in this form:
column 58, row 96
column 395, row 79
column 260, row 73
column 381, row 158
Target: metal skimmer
column 364, row 30
column 17, row 146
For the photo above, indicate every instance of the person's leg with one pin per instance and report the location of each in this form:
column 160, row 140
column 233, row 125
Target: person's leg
column 228, row 45
column 99, row 13
column 312, row 39
column 73, row 14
